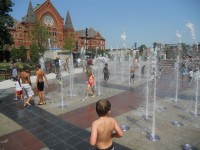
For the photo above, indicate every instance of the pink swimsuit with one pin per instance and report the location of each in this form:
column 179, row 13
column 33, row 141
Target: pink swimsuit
column 91, row 80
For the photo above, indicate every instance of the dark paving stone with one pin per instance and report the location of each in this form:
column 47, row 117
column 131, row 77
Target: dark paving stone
column 72, row 141
column 75, row 130
column 83, row 145
column 84, row 135
column 65, row 125
column 120, row 147
column 37, row 130
column 55, row 130
column 35, row 117
column 48, row 126
column 30, row 125
column 51, row 141
column 61, row 146
column 55, row 120
column 44, row 135
column 64, row 135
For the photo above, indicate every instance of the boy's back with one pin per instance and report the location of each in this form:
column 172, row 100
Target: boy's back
column 104, row 128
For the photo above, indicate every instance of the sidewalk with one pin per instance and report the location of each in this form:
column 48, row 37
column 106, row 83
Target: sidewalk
column 9, row 83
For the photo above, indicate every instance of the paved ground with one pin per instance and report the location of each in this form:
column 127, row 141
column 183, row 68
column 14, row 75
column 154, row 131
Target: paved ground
column 64, row 122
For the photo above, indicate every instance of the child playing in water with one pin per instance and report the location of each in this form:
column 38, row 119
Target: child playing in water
column 90, row 84
column 106, row 73
column 18, row 90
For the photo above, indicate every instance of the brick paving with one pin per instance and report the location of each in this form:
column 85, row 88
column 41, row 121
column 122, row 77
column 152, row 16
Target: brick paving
column 69, row 128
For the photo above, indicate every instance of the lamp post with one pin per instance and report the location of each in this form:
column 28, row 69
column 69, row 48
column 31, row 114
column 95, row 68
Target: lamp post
column 135, row 46
column 154, row 45
column 86, row 36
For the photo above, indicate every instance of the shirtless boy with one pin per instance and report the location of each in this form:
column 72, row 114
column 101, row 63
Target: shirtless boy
column 40, row 84
column 104, row 128
column 26, row 86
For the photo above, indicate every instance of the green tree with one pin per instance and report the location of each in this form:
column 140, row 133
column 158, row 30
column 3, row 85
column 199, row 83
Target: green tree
column 15, row 53
column 184, row 49
column 34, row 53
column 6, row 21
column 22, row 53
column 39, row 36
column 69, row 43
column 141, row 52
column 141, row 49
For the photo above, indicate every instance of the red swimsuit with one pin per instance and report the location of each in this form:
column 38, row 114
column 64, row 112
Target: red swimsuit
column 91, row 80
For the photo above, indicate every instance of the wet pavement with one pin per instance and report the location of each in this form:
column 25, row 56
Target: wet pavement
column 65, row 123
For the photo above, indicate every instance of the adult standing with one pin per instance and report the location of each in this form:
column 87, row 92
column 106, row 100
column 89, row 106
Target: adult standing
column 57, row 66
column 14, row 73
column 26, row 86
column 40, row 76
column 190, row 75
column 60, row 63
column 83, row 65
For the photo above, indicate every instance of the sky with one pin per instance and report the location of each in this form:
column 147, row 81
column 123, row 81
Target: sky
column 141, row 21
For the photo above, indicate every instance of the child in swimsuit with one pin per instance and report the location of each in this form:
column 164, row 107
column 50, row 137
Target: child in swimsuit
column 18, row 89
column 90, row 84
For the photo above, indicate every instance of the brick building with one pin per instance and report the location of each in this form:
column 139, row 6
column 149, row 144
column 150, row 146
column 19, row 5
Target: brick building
column 47, row 15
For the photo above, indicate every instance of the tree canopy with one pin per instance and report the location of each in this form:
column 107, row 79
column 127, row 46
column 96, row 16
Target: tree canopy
column 39, row 36
column 34, row 53
column 6, row 21
column 70, row 43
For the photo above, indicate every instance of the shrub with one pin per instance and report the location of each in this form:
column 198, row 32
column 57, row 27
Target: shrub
column 4, row 65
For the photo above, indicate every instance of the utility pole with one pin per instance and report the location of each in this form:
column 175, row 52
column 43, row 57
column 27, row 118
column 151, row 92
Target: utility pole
column 135, row 46
column 86, row 35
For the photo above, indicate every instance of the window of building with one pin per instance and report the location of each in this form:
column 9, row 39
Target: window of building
column 19, row 28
